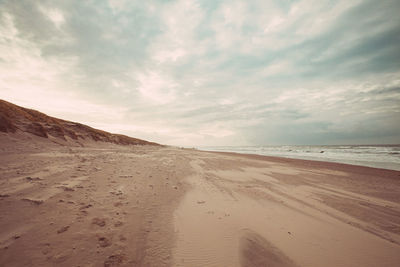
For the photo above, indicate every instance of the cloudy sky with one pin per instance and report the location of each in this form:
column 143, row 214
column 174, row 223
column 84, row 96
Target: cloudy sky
column 209, row 72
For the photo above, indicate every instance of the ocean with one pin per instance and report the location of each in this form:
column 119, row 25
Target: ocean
column 378, row 156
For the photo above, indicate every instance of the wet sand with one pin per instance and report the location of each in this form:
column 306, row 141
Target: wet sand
column 162, row 206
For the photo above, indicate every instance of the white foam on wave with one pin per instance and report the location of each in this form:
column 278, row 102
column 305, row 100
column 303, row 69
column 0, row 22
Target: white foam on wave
column 379, row 156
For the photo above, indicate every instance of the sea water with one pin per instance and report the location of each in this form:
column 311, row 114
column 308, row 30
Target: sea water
column 378, row 156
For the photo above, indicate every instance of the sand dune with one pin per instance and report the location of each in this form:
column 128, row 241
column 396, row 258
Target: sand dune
column 27, row 122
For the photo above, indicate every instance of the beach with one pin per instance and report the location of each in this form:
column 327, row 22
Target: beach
column 199, row 133
column 165, row 206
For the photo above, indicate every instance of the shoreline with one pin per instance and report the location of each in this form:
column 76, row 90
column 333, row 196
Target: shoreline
column 336, row 161
column 302, row 162
column 376, row 156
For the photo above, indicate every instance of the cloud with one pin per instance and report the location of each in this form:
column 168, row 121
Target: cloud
column 209, row 72
column 156, row 88
column 54, row 15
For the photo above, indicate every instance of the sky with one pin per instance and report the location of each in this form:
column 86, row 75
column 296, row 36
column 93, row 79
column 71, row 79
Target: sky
column 208, row 73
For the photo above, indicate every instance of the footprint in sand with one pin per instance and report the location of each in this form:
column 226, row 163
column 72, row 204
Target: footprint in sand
column 85, row 206
column 63, row 229
column 47, row 249
column 126, row 176
column 99, row 222
column 104, row 242
column 33, row 179
column 114, row 260
column 118, row 193
column 118, row 204
column 66, row 188
column 33, row 201
column 118, row 224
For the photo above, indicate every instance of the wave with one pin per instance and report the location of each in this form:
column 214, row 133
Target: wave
column 379, row 156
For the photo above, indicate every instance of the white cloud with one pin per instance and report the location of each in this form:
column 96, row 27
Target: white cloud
column 273, row 24
column 281, row 67
column 216, row 131
column 117, row 5
column 180, row 19
column 54, row 15
column 227, row 24
column 155, row 87
column 23, row 70
column 163, row 56
column 30, row 80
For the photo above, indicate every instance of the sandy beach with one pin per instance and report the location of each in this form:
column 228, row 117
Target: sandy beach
column 187, row 133
column 163, row 206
